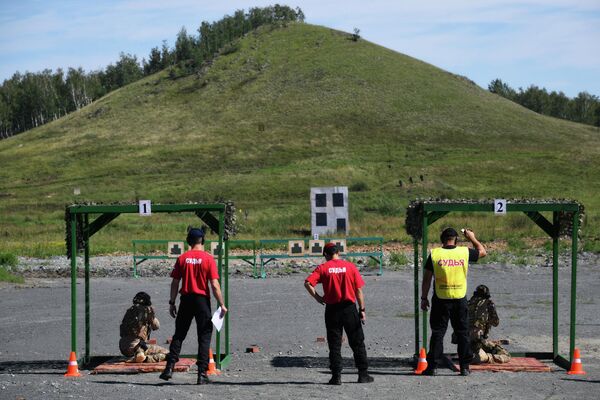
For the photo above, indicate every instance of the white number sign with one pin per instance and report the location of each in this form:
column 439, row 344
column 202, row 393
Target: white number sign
column 145, row 207
column 500, row 206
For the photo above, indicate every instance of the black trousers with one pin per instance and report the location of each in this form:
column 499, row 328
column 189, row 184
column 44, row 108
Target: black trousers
column 345, row 316
column 192, row 306
column 456, row 311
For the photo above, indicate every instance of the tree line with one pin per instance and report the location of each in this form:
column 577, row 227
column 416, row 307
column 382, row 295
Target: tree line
column 584, row 108
column 28, row 100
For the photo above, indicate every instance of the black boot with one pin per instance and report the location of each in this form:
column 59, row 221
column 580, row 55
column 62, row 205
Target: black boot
column 168, row 372
column 336, row 379
column 430, row 371
column 202, row 379
column 364, row 377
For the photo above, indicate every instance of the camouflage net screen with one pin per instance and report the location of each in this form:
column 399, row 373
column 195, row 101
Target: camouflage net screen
column 414, row 213
column 230, row 228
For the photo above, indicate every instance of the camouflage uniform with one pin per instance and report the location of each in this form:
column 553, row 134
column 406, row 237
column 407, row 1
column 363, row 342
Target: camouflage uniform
column 482, row 316
column 138, row 322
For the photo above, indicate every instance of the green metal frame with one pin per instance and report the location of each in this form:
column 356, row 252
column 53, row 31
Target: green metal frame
column 266, row 258
column 107, row 213
column 433, row 211
column 140, row 258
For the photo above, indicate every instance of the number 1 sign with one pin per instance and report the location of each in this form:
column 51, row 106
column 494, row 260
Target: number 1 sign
column 145, row 207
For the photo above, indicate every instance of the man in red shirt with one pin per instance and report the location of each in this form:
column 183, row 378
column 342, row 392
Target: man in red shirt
column 342, row 287
column 195, row 269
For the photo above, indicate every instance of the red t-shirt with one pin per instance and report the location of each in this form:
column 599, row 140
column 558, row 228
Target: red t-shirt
column 339, row 278
column 195, row 268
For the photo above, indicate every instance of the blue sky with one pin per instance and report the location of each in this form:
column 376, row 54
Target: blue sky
column 550, row 43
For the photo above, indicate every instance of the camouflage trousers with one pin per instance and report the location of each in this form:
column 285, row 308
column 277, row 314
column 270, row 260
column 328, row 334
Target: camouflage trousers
column 489, row 352
column 131, row 348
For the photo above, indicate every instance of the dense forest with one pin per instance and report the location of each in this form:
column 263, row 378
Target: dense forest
column 584, row 108
column 31, row 99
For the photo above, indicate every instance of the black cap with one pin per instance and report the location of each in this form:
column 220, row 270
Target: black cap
column 330, row 249
column 447, row 234
column 196, row 233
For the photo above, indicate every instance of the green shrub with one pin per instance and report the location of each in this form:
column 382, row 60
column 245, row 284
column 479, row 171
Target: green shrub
column 359, row 186
column 8, row 259
column 516, row 245
column 6, row 276
column 399, row 259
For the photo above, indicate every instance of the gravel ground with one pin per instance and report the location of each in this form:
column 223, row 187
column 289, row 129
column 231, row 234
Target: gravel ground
column 278, row 315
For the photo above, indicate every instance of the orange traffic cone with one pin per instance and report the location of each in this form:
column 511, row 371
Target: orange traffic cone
column 576, row 366
column 72, row 369
column 212, row 367
column 422, row 364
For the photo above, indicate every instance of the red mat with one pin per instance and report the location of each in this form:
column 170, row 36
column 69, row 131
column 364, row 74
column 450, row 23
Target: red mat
column 516, row 364
column 118, row 366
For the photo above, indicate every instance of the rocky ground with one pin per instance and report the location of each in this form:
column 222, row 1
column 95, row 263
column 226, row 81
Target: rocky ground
column 278, row 315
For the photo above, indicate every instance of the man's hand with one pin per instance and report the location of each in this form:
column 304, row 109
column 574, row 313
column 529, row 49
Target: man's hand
column 313, row 292
column 223, row 311
column 319, row 299
column 424, row 304
column 363, row 317
column 173, row 310
column 469, row 234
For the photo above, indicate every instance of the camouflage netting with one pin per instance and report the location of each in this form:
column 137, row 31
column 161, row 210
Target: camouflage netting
column 414, row 213
column 230, row 228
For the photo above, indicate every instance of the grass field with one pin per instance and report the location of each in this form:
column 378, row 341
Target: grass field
column 286, row 109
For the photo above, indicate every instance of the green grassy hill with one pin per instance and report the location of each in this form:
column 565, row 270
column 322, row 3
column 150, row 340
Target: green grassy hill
column 286, row 109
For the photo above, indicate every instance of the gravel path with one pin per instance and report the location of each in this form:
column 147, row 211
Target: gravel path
column 278, row 315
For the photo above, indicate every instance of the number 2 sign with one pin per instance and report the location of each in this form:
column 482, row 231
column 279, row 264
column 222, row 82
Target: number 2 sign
column 500, row 206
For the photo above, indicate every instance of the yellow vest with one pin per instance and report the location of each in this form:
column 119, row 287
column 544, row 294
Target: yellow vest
column 450, row 268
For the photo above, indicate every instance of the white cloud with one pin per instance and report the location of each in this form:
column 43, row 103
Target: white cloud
column 463, row 36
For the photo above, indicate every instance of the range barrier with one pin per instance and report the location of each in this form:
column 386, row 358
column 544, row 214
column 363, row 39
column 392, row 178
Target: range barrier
column 161, row 249
column 307, row 248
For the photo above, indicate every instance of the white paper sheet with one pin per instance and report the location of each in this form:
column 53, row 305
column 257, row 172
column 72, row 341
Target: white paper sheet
column 217, row 320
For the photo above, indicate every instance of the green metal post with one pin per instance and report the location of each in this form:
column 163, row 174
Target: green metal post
column 416, row 291
column 226, row 297
column 424, row 258
column 73, row 283
column 555, row 285
column 263, row 273
column 217, row 356
column 254, row 275
column 573, row 282
column 87, row 287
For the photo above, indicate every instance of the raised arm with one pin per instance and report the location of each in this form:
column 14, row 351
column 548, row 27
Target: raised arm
column 470, row 235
